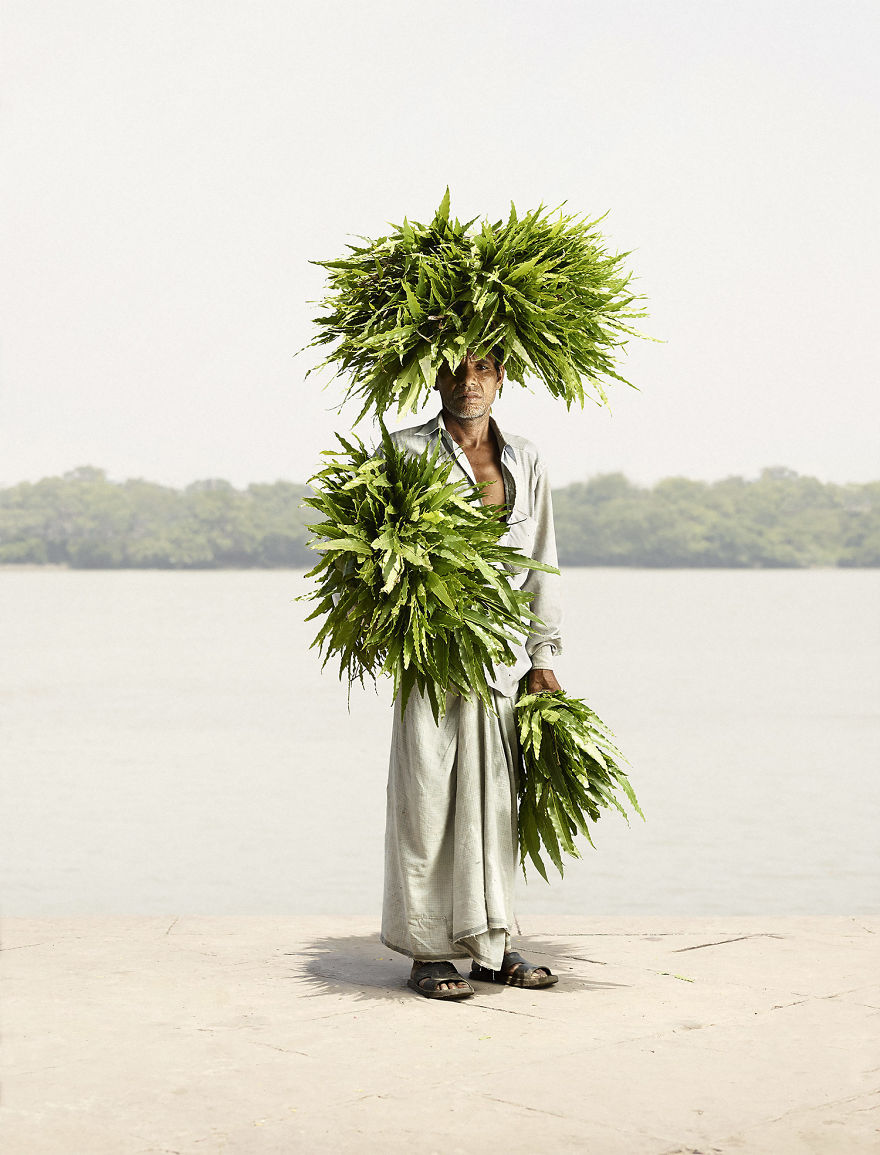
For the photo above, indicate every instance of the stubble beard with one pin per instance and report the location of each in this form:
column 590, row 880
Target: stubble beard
column 468, row 410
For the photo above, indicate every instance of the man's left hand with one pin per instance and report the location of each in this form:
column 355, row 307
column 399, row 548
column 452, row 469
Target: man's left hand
column 540, row 680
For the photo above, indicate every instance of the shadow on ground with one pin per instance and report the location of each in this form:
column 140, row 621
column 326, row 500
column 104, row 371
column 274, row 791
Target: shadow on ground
column 361, row 966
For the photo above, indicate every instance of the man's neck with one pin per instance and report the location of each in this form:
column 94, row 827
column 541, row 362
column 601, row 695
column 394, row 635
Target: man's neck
column 468, row 432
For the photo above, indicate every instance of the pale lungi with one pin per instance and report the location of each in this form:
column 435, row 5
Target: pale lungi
column 451, row 830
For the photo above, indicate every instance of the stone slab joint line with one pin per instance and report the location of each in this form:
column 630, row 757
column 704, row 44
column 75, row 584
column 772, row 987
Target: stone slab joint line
column 722, row 941
column 604, row 1126
column 820, row 998
column 824, row 1106
column 647, row 935
column 556, row 954
column 274, row 1047
column 523, row 1106
column 480, row 1006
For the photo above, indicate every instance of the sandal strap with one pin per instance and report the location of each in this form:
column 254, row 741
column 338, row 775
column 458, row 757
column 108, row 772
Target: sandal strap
column 435, row 970
column 514, row 961
column 514, row 958
column 429, row 975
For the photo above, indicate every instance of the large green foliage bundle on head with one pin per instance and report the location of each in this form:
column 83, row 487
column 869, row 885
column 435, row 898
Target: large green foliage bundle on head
column 570, row 773
column 412, row 580
column 543, row 291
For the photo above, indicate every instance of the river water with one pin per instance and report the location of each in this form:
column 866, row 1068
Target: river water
column 170, row 746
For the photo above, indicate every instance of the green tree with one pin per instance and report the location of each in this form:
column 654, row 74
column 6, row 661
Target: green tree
column 781, row 519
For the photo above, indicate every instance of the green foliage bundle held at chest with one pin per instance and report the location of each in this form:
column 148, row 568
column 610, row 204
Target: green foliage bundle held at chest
column 413, row 578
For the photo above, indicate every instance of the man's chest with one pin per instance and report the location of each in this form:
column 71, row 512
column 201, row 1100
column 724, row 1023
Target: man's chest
column 485, row 463
column 512, row 489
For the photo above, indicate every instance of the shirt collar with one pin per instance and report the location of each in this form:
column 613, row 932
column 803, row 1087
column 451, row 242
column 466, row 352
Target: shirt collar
column 438, row 426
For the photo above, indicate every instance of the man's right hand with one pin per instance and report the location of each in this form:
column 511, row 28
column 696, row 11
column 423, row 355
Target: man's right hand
column 541, row 681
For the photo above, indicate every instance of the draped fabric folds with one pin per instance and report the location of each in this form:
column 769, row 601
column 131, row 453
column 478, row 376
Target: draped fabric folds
column 451, row 830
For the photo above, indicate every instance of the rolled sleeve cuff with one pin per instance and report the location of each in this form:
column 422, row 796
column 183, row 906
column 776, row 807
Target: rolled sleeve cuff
column 542, row 656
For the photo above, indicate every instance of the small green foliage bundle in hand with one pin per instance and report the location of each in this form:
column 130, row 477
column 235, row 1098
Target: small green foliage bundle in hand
column 545, row 291
column 570, row 774
column 412, row 579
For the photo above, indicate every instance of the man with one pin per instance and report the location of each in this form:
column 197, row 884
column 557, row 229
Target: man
column 451, row 827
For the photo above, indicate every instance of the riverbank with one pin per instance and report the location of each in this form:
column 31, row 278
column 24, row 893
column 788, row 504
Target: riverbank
column 251, row 1035
column 778, row 520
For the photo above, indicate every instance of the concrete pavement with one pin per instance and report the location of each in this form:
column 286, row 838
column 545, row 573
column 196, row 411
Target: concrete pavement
column 664, row 1036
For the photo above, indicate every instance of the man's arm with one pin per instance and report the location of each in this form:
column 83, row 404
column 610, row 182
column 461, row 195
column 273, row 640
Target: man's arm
column 545, row 640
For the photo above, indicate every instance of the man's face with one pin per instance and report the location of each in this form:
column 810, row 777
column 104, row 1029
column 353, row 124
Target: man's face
column 468, row 393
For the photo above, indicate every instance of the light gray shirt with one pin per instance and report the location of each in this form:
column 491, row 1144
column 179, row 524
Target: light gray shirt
column 529, row 530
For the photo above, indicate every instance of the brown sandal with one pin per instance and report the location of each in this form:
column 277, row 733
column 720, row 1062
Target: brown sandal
column 436, row 973
column 515, row 972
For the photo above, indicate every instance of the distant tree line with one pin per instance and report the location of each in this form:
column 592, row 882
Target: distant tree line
column 782, row 519
column 84, row 520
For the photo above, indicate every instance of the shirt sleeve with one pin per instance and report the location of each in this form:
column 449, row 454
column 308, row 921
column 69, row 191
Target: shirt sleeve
column 545, row 640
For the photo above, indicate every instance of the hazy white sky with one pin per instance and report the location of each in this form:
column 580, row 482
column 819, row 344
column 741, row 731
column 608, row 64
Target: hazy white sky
column 172, row 167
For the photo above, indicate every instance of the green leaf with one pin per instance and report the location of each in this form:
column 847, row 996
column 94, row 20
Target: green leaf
column 411, row 581
column 545, row 287
column 437, row 587
column 349, row 544
column 563, row 784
